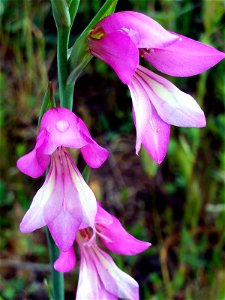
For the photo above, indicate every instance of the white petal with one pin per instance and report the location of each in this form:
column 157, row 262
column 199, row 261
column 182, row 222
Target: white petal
column 89, row 284
column 173, row 106
column 86, row 196
column 152, row 131
column 114, row 280
column 34, row 218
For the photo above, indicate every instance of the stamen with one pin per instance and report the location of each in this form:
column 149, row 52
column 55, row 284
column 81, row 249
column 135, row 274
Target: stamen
column 86, row 236
column 97, row 33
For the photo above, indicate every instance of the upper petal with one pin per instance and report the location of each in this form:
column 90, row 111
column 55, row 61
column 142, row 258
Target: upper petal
column 186, row 57
column 63, row 127
column 144, row 31
column 92, row 152
column 115, row 237
column 35, row 162
column 117, row 50
column 172, row 105
column 152, row 131
column 66, row 261
column 94, row 155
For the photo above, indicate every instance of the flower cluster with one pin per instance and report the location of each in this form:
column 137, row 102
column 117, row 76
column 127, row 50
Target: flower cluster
column 68, row 207
column 65, row 203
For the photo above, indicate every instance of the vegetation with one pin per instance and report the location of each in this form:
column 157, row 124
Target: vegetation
column 178, row 206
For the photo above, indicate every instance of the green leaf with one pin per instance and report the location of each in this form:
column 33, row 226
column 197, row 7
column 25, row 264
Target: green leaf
column 73, row 7
column 79, row 56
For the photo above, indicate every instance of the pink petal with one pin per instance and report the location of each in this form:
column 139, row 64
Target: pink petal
column 172, row 105
column 63, row 230
column 63, row 127
column 156, row 139
column 94, row 155
column 115, row 237
column 186, row 57
column 152, row 131
column 144, row 31
column 35, row 163
column 117, row 50
column 66, row 261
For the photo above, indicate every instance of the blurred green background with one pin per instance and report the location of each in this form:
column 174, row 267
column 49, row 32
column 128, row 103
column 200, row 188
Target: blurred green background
column 179, row 206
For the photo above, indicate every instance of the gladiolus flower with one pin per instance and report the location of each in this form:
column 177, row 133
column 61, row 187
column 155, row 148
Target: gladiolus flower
column 119, row 40
column 64, row 203
column 99, row 277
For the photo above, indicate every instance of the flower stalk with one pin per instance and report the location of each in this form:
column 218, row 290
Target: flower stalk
column 65, row 91
column 57, row 277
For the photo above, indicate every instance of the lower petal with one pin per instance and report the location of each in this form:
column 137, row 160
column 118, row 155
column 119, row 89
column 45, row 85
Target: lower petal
column 172, row 105
column 89, row 285
column 114, row 280
column 84, row 195
column 63, row 230
column 66, row 261
column 152, row 131
column 156, row 137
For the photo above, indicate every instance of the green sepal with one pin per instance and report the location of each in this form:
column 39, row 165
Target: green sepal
column 47, row 102
column 79, row 55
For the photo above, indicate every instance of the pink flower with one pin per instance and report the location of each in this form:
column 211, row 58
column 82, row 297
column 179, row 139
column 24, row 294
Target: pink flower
column 64, row 203
column 119, row 40
column 99, row 277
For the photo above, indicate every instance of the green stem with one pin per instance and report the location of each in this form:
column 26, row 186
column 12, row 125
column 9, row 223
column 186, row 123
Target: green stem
column 57, row 277
column 65, row 91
